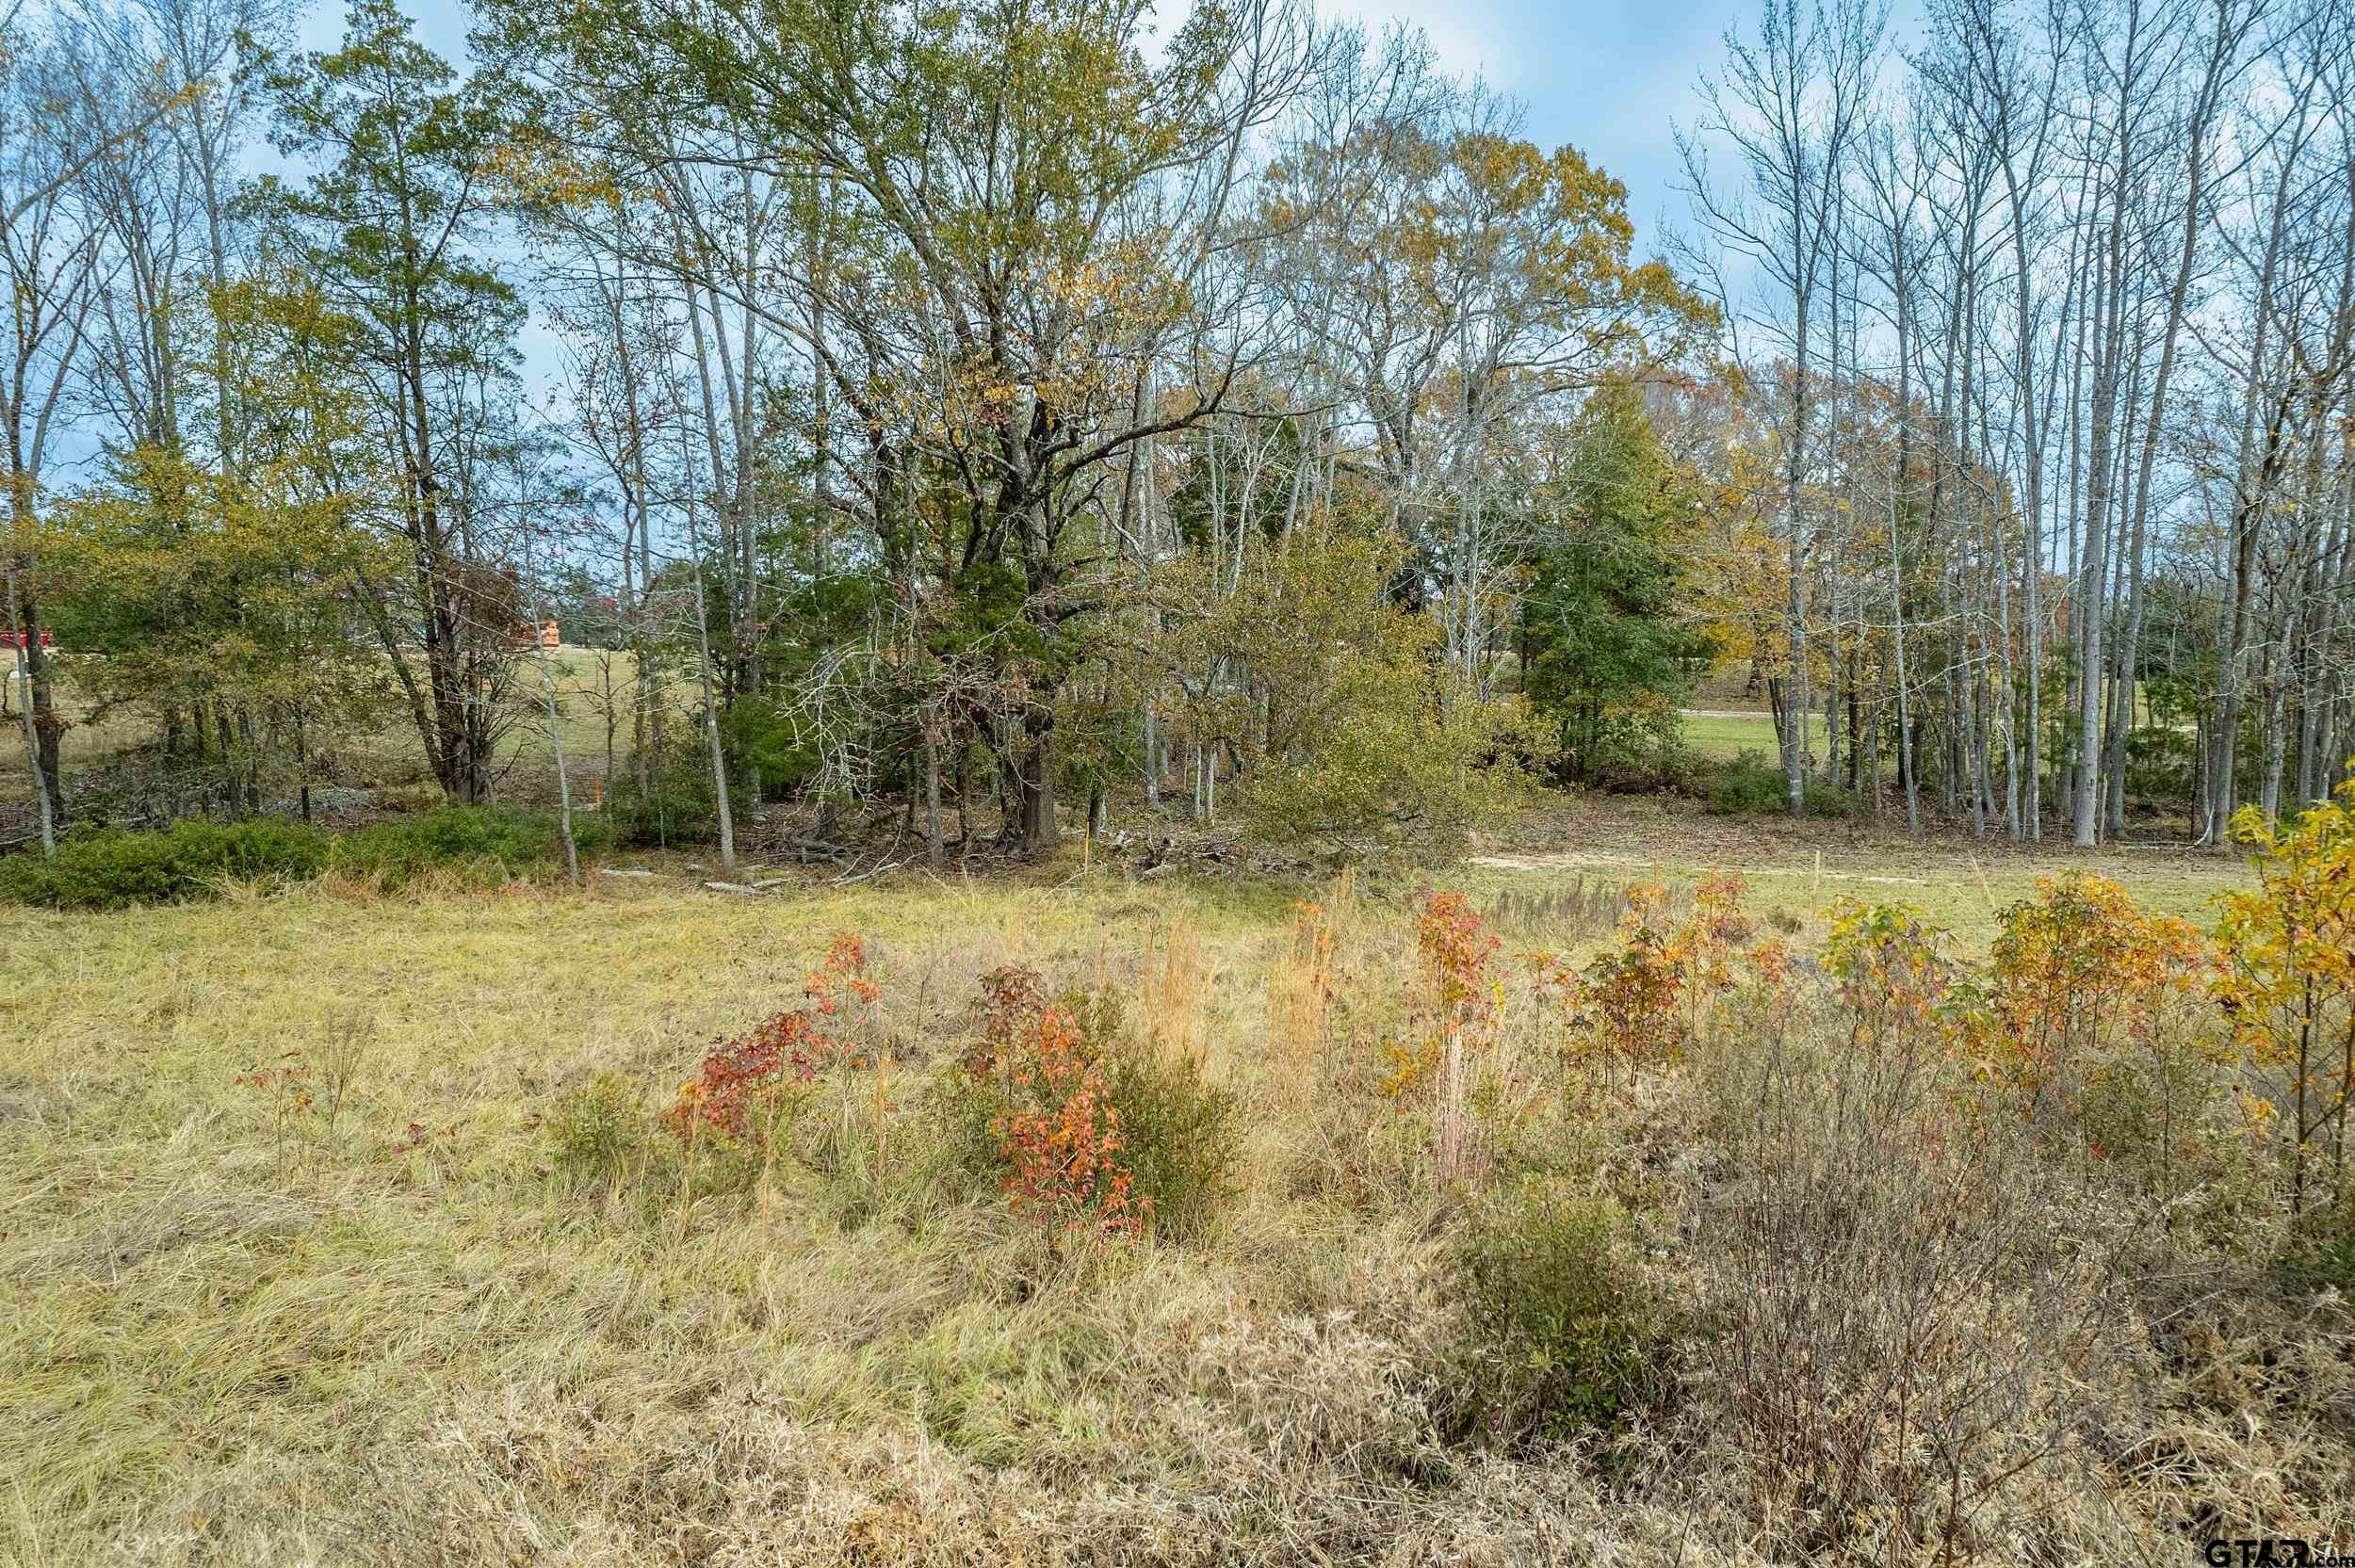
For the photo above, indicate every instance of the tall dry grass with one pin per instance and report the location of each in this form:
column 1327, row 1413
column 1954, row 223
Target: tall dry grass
column 229, row 1336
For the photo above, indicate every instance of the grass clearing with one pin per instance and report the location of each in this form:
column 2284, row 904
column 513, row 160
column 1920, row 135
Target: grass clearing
column 1795, row 869
column 408, row 1324
column 1720, row 736
column 588, row 682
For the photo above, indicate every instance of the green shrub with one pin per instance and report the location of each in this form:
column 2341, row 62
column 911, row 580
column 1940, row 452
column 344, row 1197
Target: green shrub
column 1753, row 783
column 1181, row 1137
column 678, row 807
column 596, row 1127
column 2320, row 1253
column 112, row 869
column 1560, row 1319
column 955, row 1151
column 487, row 843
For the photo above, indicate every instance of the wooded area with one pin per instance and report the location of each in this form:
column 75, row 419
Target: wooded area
column 1013, row 400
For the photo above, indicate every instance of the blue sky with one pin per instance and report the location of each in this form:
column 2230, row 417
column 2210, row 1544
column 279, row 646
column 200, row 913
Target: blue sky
column 1608, row 76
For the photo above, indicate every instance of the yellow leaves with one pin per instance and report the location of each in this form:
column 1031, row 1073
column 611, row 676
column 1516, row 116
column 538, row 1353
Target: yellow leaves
column 539, row 171
column 2290, row 944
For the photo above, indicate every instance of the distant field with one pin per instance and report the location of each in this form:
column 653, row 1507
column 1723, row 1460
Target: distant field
column 1797, row 869
column 1722, row 734
column 390, row 751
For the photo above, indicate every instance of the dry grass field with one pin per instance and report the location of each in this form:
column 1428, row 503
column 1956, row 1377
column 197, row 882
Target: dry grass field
column 454, row 1296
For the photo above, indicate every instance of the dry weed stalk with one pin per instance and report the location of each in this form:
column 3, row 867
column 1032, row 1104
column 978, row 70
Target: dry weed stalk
column 1175, row 991
column 1902, row 1291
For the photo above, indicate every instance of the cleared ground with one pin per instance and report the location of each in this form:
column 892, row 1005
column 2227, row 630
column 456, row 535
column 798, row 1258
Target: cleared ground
column 1795, row 869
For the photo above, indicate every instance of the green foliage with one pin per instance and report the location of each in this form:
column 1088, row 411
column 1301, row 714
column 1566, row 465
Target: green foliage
column 593, row 1128
column 1351, row 729
column 1560, row 1318
column 2321, row 1251
column 1753, row 783
column 1749, row 783
column 679, row 805
column 759, row 736
column 489, row 842
column 112, row 869
column 1181, row 1137
column 1605, row 660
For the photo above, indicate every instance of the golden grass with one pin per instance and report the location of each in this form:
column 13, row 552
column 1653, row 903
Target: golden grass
column 228, row 1335
column 225, row 1332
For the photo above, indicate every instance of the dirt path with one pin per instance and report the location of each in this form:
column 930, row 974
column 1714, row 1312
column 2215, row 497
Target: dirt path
column 1569, row 861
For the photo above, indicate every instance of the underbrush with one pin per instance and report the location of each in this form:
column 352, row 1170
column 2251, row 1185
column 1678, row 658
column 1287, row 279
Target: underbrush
column 116, row 868
column 1108, row 1222
column 483, row 843
column 113, row 868
column 1754, row 783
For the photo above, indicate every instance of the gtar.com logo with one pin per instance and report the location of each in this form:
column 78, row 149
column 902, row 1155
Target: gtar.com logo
column 2280, row 1552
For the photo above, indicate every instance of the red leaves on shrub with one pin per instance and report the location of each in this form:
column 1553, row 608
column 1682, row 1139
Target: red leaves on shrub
column 1058, row 1131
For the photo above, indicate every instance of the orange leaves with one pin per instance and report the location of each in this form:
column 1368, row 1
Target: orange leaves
column 741, row 1079
column 1456, row 955
column 1463, row 997
column 1640, row 1002
column 2079, row 971
column 1466, row 1002
column 1057, row 1130
column 744, row 1082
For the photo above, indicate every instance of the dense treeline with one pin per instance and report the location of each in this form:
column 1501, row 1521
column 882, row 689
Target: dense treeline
column 1012, row 400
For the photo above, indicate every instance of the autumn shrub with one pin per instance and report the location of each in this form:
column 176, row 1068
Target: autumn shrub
column 2288, row 985
column 2078, row 976
column 1460, row 1008
column 115, row 869
column 1635, row 1004
column 750, row 1089
column 1041, row 1068
column 751, row 1092
column 1561, row 1323
column 1083, row 1121
column 1892, row 973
